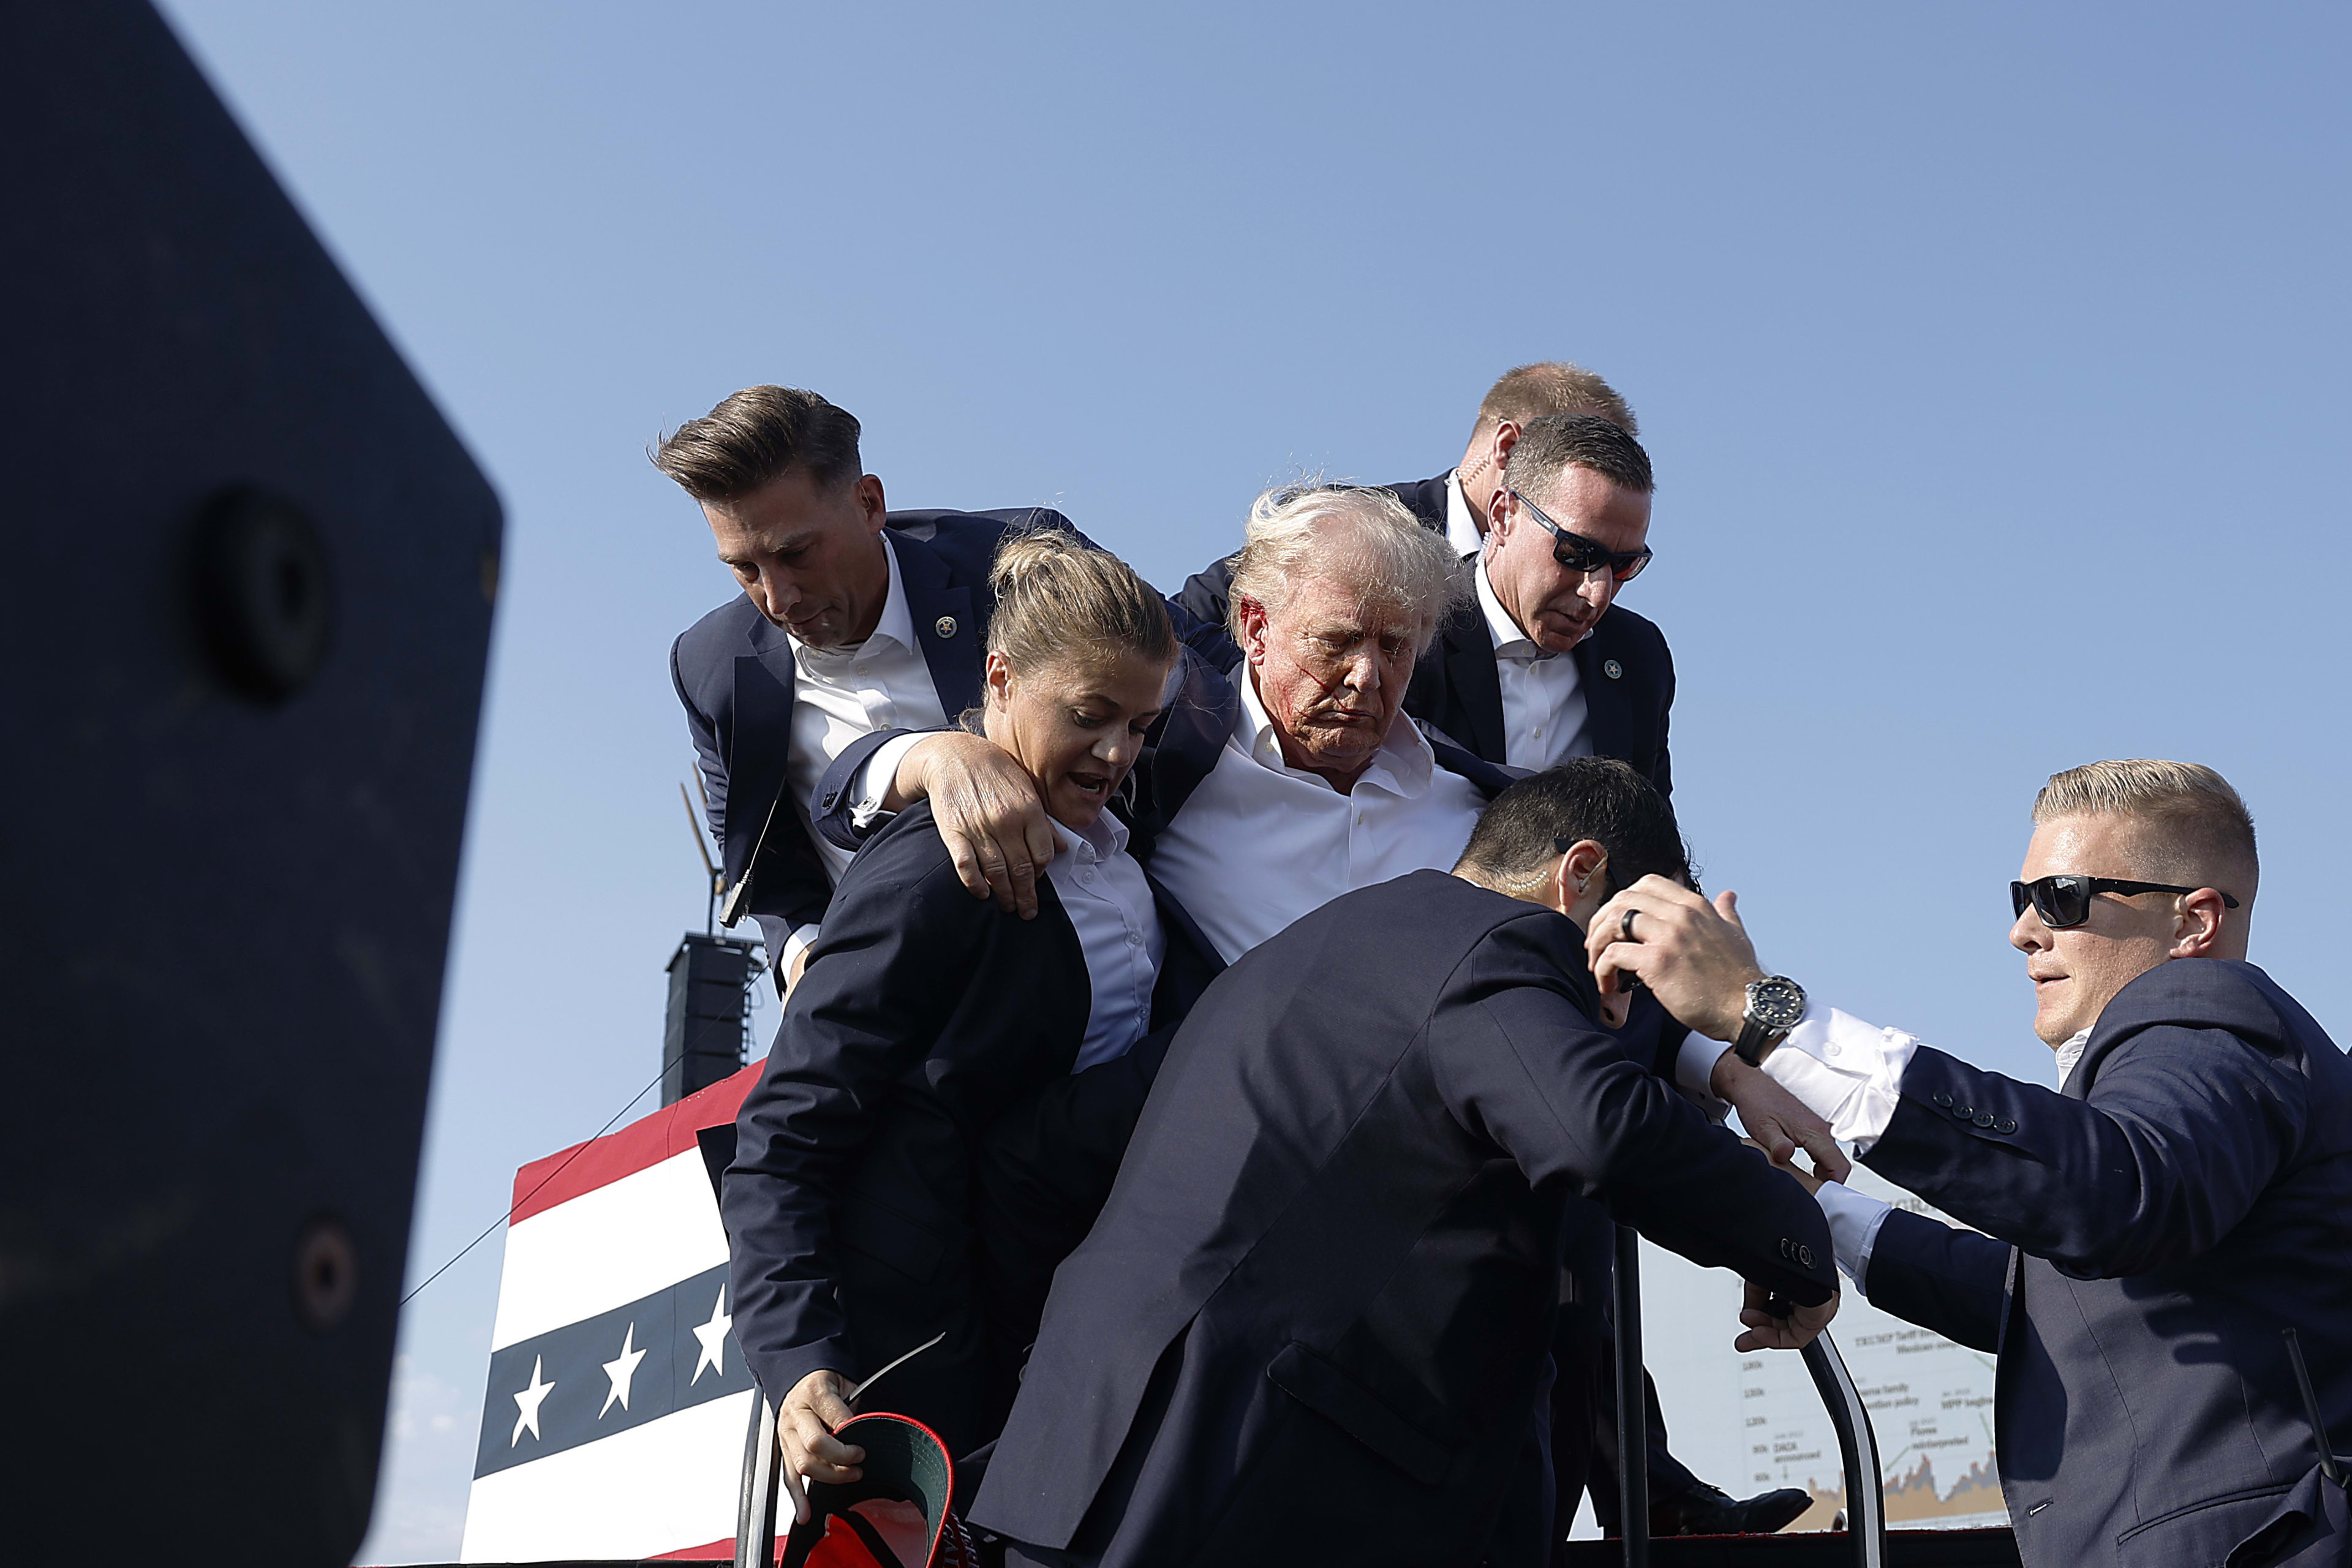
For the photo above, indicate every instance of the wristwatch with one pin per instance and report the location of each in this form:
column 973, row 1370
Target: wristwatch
column 1776, row 1004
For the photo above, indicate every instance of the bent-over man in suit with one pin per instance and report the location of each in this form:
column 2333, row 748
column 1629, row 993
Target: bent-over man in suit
column 1313, row 1320
column 1537, row 662
column 2148, row 1228
column 852, row 618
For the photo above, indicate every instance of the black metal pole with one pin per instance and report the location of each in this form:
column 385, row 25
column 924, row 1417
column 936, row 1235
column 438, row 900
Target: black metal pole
column 1633, row 1404
column 1865, row 1502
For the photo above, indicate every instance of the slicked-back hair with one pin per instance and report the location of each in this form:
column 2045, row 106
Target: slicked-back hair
column 754, row 437
column 1299, row 531
column 1560, row 441
column 2193, row 827
column 1526, row 827
column 1551, row 386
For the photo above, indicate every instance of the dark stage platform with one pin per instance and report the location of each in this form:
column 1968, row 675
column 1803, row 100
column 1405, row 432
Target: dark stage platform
column 1817, row 1549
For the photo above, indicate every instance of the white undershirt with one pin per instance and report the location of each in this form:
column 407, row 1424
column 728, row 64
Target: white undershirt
column 841, row 693
column 1543, row 700
column 1261, row 843
column 1108, row 900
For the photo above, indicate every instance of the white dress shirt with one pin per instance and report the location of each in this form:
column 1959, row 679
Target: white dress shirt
column 1261, row 843
column 1463, row 534
column 1543, row 700
column 841, row 693
column 1849, row 1074
column 1109, row 901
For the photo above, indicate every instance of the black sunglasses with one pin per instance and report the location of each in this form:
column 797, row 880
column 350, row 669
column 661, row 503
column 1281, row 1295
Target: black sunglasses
column 2064, row 901
column 1578, row 553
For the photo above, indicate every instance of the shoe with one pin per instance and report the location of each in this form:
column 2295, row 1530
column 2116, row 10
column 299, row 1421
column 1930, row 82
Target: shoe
column 1711, row 1510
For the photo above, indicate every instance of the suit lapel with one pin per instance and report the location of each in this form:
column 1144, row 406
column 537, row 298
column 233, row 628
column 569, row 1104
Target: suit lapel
column 946, row 624
column 1477, row 688
column 1605, row 722
column 759, row 751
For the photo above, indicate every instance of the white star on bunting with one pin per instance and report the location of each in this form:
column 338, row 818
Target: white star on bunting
column 712, row 1336
column 527, row 1401
column 623, row 1369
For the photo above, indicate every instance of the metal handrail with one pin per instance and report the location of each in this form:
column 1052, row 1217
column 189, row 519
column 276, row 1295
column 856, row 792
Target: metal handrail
column 1865, row 1497
column 755, row 1507
column 1633, row 1404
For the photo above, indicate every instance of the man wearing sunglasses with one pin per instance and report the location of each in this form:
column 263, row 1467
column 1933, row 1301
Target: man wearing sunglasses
column 2148, row 1229
column 1534, row 665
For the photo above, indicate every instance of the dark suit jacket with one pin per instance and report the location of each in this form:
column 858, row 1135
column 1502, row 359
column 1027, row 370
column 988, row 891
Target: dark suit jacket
column 733, row 671
column 1314, row 1319
column 2156, row 1223
column 923, row 1016
column 1623, row 668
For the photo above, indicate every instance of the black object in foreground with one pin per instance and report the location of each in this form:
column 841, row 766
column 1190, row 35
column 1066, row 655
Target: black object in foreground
column 250, row 573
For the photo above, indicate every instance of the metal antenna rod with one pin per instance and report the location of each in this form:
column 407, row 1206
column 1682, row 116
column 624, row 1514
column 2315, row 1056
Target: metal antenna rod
column 710, row 872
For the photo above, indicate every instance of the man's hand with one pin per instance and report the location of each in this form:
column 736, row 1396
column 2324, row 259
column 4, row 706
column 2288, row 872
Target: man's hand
column 1778, row 1122
column 988, row 814
column 1696, row 955
column 804, row 1423
column 1767, row 1332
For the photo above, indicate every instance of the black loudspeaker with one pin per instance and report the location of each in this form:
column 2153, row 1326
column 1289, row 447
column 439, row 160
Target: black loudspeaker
column 247, row 582
column 702, row 1035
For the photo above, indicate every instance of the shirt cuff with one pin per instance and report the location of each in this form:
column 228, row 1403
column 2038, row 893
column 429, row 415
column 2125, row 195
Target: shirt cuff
column 1855, row 1218
column 1848, row 1072
column 871, row 783
column 1695, row 1063
column 798, row 943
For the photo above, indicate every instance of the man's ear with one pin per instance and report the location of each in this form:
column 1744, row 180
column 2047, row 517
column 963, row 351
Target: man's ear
column 1507, row 435
column 1252, row 616
column 1581, row 877
column 2196, row 929
column 1499, row 508
column 867, row 493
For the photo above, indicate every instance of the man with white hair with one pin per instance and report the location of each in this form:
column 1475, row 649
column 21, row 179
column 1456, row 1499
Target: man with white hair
column 1264, row 794
column 2149, row 1228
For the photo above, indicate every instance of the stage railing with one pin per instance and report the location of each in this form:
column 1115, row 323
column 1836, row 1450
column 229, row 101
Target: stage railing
column 1865, row 1498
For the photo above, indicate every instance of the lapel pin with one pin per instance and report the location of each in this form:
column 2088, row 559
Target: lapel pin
column 944, row 625
column 1612, row 668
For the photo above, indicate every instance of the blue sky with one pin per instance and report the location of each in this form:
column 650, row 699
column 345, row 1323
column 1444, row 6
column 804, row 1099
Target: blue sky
column 1993, row 360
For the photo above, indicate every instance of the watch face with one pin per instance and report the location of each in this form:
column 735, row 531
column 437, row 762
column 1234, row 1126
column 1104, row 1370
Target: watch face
column 1778, row 1003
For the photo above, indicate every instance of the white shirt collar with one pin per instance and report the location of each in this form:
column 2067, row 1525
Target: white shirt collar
column 1461, row 534
column 2070, row 1052
column 1097, row 844
column 897, row 623
column 1403, row 765
column 1509, row 641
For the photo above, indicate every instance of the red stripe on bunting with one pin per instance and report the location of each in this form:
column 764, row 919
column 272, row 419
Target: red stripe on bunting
column 644, row 1143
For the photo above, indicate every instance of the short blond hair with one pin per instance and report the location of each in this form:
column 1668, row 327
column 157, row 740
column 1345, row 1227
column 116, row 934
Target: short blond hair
column 2194, row 825
column 1300, row 532
column 1526, row 394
